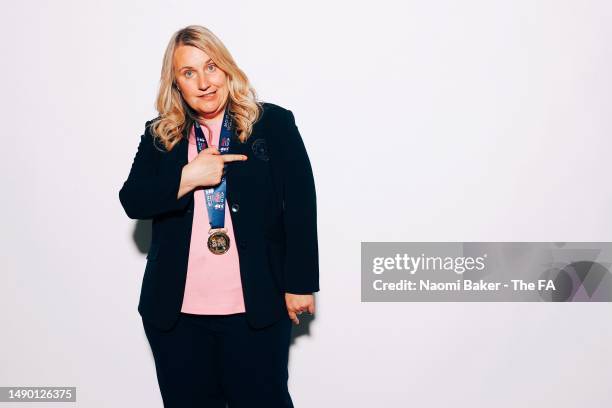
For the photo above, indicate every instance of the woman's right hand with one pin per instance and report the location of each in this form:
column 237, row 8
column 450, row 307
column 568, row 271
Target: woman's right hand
column 206, row 169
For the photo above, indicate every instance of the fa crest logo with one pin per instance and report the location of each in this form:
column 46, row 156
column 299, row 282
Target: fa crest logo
column 260, row 149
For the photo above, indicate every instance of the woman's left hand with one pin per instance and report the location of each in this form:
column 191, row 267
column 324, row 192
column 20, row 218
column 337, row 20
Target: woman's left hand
column 296, row 304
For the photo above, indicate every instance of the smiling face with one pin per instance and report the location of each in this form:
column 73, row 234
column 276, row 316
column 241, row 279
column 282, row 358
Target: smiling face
column 201, row 83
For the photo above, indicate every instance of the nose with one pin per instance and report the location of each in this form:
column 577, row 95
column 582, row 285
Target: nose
column 203, row 83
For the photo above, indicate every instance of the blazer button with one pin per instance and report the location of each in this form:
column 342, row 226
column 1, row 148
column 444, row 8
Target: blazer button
column 189, row 211
column 235, row 208
column 242, row 245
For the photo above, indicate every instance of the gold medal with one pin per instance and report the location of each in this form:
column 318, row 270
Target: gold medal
column 218, row 242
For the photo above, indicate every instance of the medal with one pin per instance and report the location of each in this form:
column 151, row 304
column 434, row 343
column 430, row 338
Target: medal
column 218, row 240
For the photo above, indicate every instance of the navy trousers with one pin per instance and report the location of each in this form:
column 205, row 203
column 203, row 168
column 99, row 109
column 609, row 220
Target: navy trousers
column 208, row 361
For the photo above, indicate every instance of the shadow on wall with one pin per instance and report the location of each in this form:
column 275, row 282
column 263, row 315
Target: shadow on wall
column 303, row 329
column 142, row 239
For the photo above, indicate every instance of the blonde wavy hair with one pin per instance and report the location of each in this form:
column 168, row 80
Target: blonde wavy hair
column 176, row 116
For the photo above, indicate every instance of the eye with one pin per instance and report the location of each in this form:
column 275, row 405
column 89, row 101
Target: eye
column 211, row 67
column 188, row 72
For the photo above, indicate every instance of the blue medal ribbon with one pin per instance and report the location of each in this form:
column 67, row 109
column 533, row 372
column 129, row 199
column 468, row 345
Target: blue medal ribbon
column 216, row 196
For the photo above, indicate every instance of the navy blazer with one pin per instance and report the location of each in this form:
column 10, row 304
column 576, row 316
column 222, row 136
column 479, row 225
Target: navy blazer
column 272, row 203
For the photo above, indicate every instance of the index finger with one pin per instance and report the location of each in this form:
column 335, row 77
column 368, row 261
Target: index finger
column 294, row 318
column 233, row 157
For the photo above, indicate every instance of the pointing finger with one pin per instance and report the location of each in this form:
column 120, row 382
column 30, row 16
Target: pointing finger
column 233, row 157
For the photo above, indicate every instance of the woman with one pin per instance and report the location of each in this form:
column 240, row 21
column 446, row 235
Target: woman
column 234, row 255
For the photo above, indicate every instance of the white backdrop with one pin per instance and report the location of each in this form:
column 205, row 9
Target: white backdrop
column 453, row 121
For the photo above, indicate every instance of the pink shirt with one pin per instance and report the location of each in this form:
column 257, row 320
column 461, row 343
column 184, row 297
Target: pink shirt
column 213, row 283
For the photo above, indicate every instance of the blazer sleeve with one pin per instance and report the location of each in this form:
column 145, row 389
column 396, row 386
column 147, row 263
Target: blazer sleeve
column 147, row 193
column 300, row 214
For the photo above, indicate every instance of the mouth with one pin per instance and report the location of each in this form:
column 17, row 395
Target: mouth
column 208, row 95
